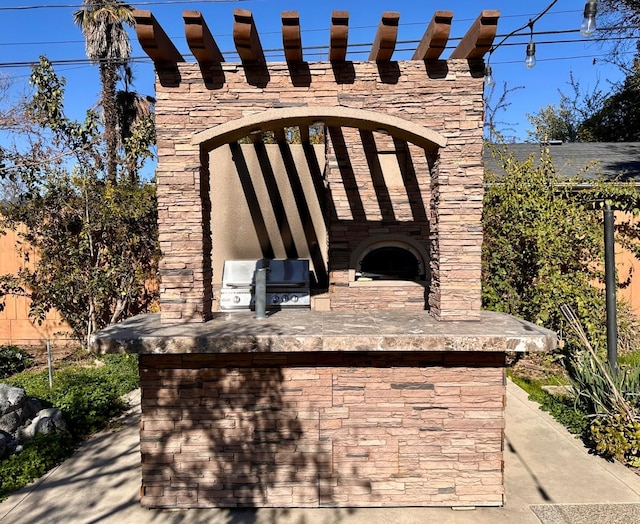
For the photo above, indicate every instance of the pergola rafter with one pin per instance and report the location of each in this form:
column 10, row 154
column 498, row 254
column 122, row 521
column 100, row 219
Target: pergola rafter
column 385, row 41
column 479, row 38
column 474, row 45
column 201, row 42
column 435, row 38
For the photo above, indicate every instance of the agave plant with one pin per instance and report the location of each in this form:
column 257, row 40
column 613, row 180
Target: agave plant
column 610, row 396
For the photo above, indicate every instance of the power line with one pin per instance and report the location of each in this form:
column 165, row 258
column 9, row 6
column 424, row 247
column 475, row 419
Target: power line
column 353, row 48
column 79, row 6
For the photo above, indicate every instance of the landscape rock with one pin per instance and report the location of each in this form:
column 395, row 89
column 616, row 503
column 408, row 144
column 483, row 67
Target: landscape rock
column 11, row 398
column 31, row 408
column 11, row 421
column 47, row 421
column 22, row 418
column 5, row 440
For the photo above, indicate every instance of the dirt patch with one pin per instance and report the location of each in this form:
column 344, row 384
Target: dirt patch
column 61, row 352
column 535, row 367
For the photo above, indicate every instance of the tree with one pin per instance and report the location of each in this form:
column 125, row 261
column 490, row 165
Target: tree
column 619, row 22
column 96, row 241
column 136, row 126
column 495, row 129
column 564, row 121
column 543, row 242
column 593, row 117
column 107, row 44
column 618, row 120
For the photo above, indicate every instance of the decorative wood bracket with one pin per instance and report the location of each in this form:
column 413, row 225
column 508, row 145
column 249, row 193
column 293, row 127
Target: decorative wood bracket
column 246, row 37
column 201, row 42
column 155, row 41
column 435, row 38
column 478, row 39
column 385, row 41
column 339, row 36
column 291, row 38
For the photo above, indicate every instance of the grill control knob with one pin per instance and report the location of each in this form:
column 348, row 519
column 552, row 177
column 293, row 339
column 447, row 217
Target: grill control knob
column 285, row 298
column 275, row 299
column 236, row 299
column 294, row 298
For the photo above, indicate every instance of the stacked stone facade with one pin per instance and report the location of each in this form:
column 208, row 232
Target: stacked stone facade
column 439, row 204
column 321, row 430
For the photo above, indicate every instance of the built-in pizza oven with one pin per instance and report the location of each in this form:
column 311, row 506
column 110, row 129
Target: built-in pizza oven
column 390, row 262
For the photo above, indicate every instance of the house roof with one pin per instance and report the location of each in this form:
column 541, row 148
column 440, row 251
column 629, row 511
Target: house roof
column 590, row 160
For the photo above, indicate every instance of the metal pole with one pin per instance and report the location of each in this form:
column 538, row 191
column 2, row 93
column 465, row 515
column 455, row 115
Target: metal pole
column 50, row 364
column 261, row 293
column 610, row 288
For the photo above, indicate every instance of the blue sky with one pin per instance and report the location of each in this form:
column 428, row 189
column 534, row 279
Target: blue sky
column 28, row 33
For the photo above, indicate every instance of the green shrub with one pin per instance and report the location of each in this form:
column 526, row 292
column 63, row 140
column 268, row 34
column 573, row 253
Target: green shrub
column 13, row 360
column 39, row 455
column 630, row 359
column 88, row 397
column 598, row 389
column 617, row 436
column 609, row 396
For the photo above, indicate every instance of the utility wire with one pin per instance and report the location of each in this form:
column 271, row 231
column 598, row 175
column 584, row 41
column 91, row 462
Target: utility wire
column 79, row 6
column 354, row 47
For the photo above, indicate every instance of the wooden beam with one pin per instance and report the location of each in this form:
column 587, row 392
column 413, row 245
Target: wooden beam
column 246, row 37
column 435, row 38
column 304, row 133
column 478, row 39
column 155, row 41
column 279, row 135
column 386, row 36
column 256, row 137
column 200, row 40
column 339, row 36
column 291, row 37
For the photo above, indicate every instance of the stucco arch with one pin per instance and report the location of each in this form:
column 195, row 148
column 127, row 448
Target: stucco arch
column 272, row 119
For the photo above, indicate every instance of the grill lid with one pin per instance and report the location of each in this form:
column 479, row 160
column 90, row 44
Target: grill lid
column 282, row 272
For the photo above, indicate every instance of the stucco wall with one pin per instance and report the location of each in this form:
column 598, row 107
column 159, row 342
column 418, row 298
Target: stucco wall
column 289, row 216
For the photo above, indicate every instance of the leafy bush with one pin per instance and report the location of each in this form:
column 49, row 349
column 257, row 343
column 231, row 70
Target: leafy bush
column 88, row 397
column 13, row 360
column 617, row 436
column 39, row 455
column 543, row 245
column 630, row 359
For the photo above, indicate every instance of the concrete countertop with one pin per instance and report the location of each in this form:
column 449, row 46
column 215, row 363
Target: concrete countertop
column 308, row 331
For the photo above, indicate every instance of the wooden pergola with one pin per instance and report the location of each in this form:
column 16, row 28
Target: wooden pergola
column 155, row 42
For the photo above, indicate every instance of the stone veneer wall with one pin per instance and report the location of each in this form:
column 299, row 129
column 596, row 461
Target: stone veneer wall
column 445, row 97
column 322, row 429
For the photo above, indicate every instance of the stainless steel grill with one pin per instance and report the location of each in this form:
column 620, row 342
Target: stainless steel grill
column 288, row 284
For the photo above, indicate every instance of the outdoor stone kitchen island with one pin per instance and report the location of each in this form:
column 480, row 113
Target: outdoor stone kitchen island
column 375, row 379
column 323, row 409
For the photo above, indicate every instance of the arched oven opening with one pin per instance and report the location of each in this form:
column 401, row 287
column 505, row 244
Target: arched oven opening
column 391, row 260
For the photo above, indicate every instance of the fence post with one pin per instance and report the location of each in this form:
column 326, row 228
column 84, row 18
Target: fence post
column 50, row 364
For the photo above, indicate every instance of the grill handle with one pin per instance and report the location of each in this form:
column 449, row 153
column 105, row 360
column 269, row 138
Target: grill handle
column 261, row 293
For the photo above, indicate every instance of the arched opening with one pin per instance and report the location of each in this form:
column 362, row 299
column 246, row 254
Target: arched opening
column 389, row 263
column 397, row 258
